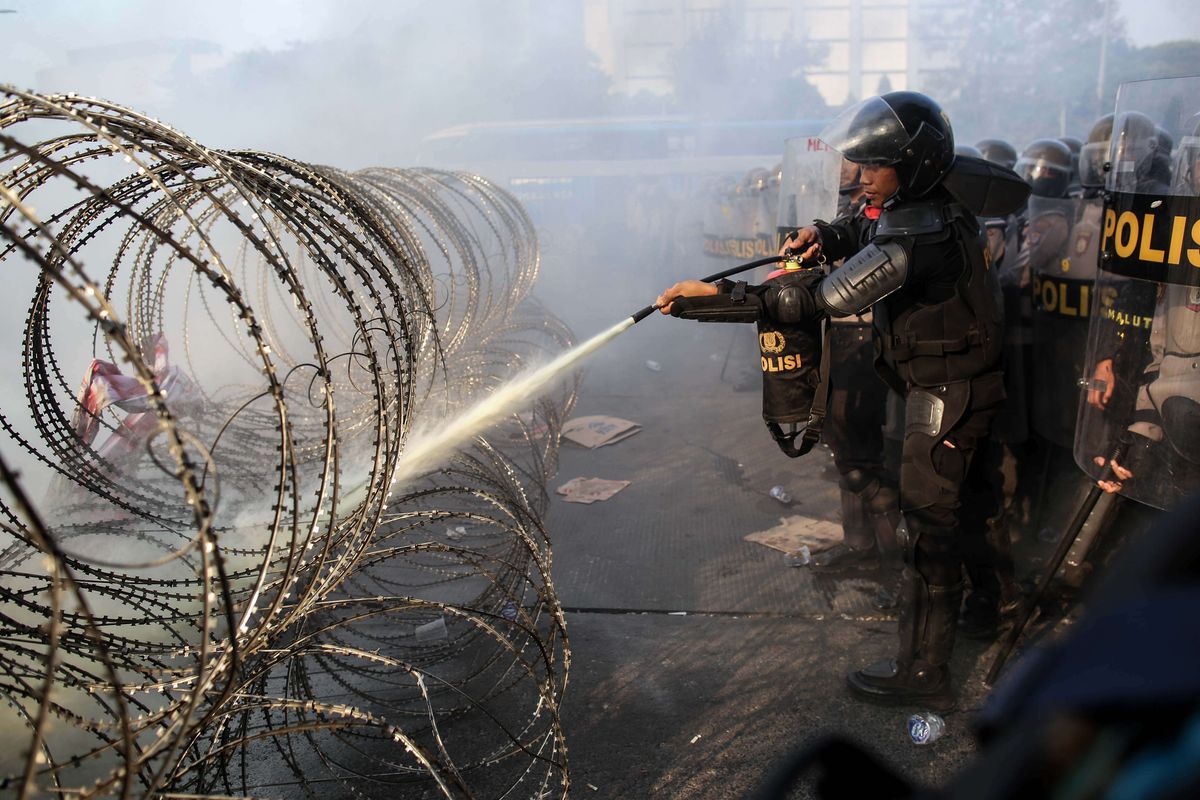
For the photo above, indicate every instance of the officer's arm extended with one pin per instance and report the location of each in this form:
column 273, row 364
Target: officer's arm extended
column 863, row 280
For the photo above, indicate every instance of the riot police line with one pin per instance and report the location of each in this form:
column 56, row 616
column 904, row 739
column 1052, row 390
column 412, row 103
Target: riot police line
column 1098, row 349
column 1134, row 213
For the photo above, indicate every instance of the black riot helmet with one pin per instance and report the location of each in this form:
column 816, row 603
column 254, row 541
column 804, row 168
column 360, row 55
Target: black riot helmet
column 905, row 130
column 1046, row 166
column 1095, row 153
column 1133, row 154
column 998, row 151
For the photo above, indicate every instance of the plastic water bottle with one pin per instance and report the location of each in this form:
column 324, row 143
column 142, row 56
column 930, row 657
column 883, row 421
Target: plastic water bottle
column 781, row 494
column 798, row 558
column 926, row 727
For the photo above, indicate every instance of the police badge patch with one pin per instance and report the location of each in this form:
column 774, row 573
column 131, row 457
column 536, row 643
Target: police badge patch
column 771, row 342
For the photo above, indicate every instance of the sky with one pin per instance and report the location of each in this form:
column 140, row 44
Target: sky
column 43, row 33
column 1149, row 22
column 48, row 28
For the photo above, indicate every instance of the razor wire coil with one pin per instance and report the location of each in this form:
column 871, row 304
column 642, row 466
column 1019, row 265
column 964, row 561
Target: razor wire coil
column 209, row 581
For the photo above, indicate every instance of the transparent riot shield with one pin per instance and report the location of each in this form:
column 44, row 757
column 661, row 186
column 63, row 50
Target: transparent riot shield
column 808, row 189
column 720, row 219
column 1061, row 286
column 741, row 225
column 1142, row 396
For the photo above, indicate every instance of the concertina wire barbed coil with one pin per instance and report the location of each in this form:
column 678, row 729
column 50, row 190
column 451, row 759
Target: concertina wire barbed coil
column 211, row 585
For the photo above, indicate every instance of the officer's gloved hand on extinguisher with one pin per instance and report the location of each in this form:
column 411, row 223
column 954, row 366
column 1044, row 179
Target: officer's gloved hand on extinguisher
column 805, row 243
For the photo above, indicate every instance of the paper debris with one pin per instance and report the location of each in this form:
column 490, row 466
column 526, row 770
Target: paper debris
column 589, row 490
column 597, row 431
column 793, row 533
column 695, row 739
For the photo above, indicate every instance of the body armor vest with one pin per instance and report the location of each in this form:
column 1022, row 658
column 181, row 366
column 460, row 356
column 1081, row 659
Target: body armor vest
column 930, row 344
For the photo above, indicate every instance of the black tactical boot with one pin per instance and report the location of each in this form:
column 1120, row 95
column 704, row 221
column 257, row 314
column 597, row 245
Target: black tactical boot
column 915, row 683
column 870, row 514
column 928, row 616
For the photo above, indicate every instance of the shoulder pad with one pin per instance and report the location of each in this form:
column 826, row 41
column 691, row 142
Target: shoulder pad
column 911, row 219
column 864, row 279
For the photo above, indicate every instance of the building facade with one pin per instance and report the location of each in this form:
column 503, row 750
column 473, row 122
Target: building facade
column 858, row 47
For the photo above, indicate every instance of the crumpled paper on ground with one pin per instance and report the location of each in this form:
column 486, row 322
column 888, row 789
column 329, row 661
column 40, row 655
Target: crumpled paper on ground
column 794, row 531
column 589, row 490
column 598, row 430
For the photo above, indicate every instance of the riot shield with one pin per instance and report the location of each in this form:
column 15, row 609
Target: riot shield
column 762, row 197
column 808, row 189
column 1061, row 285
column 720, row 221
column 1142, row 398
column 740, row 224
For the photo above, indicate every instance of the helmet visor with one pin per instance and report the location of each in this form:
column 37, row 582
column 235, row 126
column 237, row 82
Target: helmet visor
column 868, row 132
column 1040, row 168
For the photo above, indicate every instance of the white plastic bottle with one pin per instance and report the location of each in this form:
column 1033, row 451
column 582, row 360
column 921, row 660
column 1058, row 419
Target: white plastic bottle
column 926, row 727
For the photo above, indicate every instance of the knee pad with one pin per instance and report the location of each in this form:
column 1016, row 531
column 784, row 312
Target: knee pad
column 857, row 480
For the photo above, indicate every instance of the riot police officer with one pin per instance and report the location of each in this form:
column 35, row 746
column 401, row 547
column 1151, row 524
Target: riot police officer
column 1143, row 404
column 1161, row 427
column 921, row 268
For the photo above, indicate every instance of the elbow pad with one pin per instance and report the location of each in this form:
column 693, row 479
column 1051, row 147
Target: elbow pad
column 864, row 279
column 791, row 304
